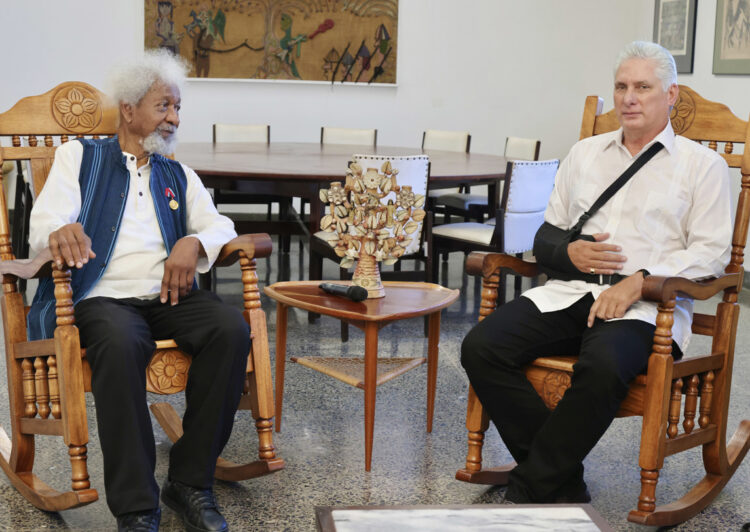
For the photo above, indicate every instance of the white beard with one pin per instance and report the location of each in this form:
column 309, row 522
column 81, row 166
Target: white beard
column 155, row 143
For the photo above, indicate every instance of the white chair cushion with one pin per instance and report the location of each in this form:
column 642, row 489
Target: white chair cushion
column 353, row 136
column 468, row 231
column 518, row 148
column 445, row 140
column 240, row 133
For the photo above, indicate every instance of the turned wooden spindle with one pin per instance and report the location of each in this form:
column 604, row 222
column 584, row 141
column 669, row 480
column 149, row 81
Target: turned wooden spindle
column 712, row 145
column 691, row 404
column 48, row 141
column 266, row 450
column 33, row 141
column 707, row 393
column 675, row 402
column 29, row 390
column 16, row 140
column 250, row 293
column 80, row 474
column 54, row 386
column 728, row 147
column 663, row 332
column 489, row 295
column 63, row 297
column 647, row 498
column 474, row 455
column 42, row 388
column 63, row 138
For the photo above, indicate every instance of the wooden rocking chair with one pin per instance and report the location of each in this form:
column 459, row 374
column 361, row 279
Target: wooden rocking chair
column 657, row 396
column 47, row 378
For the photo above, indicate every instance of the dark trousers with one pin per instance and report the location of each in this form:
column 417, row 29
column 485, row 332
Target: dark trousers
column 549, row 446
column 118, row 335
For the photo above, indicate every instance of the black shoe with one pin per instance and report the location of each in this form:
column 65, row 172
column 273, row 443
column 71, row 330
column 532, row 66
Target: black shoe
column 146, row 521
column 578, row 495
column 196, row 506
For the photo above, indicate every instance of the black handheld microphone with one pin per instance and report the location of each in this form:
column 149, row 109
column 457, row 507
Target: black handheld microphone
column 353, row 292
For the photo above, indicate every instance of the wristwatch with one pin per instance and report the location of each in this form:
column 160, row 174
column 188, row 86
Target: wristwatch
column 645, row 272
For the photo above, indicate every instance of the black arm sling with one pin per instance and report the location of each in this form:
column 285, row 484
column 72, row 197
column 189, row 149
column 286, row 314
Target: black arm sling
column 551, row 242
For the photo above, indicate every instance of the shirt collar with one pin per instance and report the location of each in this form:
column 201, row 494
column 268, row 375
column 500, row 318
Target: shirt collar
column 666, row 137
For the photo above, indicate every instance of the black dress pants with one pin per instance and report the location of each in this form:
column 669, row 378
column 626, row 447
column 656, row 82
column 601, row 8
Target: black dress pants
column 549, row 446
column 118, row 335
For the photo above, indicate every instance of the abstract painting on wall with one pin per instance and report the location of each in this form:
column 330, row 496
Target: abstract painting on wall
column 310, row 40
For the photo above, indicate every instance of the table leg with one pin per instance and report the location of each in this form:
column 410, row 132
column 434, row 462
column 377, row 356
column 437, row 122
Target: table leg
column 433, row 339
column 371, row 375
column 281, row 318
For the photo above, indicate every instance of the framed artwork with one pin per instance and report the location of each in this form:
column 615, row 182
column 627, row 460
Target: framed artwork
column 674, row 29
column 732, row 37
column 295, row 40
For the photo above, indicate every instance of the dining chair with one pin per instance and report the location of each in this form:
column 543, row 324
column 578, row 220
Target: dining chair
column 437, row 139
column 683, row 404
column 47, row 379
column 526, row 190
column 345, row 135
column 474, row 203
column 413, row 171
column 242, row 193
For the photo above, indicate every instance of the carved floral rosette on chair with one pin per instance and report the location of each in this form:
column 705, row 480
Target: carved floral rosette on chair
column 377, row 215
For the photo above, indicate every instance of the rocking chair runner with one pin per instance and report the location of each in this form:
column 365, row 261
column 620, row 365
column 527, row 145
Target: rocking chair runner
column 47, row 378
column 657, row 396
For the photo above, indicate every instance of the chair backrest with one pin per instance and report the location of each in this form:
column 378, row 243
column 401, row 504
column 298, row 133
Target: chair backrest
column 526, row 191
column 702, row 121
column 434, row 139
column 414, row 172
column 241, row 133
column 345, row 135
column 520, row 148
column 71, row 110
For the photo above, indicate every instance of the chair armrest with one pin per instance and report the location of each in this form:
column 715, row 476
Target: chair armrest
column 485, row 263
column 39, row 266
column 254, row 245
column 662, row 289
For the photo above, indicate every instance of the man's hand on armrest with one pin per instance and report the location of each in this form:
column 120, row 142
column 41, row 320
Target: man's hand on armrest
column 617, row 299
column 179, row 269
column 70, row 245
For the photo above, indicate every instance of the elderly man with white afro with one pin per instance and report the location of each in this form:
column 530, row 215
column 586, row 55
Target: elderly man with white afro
column 136, row 227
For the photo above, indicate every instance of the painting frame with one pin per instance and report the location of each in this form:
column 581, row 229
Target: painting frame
column 726, row 60
column 674, row 28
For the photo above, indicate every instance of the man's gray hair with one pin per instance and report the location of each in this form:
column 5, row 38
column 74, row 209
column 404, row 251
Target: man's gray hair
column 131, row 80
column 665, row 68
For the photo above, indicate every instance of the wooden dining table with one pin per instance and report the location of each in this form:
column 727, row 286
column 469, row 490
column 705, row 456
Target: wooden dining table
column 300, row 169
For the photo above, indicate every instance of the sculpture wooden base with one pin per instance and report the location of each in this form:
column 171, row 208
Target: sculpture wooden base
column 367, row 275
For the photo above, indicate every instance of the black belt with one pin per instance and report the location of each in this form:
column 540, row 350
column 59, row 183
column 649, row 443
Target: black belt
column 599, row 279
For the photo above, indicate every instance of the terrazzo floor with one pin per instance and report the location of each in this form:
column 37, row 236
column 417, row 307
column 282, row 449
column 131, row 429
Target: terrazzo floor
column 322, row 436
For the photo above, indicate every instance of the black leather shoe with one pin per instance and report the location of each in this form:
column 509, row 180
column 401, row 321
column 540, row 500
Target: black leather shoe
column 196, row 506
column 580, row 494
column 147, row 521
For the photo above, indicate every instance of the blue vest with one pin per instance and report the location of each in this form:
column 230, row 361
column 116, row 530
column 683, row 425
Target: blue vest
column 104, row 181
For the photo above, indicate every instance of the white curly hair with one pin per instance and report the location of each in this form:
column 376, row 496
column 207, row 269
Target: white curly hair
column 131, row 80
column 665, row 70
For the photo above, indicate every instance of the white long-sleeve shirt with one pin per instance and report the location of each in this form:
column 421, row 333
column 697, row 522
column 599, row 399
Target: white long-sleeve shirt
column 136, row 267
column 672, row 218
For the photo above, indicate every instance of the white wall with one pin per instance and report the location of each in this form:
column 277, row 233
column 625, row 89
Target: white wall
column 493, row 67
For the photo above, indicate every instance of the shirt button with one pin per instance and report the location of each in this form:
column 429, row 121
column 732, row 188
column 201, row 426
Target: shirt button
column 139, row 174
column 140, row 193
column 113, row 228
column 122, row 194
column 132, row 158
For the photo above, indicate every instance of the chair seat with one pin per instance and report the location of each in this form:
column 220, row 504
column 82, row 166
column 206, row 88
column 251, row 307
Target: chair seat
column 462, row 200
column 468, row 231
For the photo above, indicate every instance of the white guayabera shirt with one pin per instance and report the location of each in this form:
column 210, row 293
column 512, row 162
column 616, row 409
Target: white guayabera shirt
column 136, row 267
column 672, row 217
